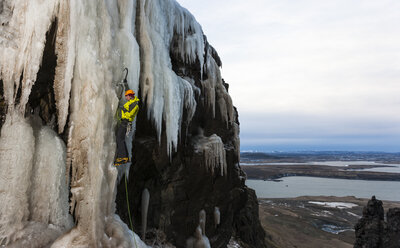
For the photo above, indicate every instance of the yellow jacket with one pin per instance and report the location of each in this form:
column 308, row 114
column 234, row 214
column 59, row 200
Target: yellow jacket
column 130, row 109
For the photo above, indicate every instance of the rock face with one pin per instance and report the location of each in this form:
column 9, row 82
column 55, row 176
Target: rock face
column 373, row 232
column 182, row 185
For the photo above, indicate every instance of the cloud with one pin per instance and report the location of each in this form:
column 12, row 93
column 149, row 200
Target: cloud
column 335, row 61
column 310, row 132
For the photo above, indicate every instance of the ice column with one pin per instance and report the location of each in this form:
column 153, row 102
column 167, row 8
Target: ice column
column 202, row 220
column 217, row 216
column 145, row 208
column 17, row 144
column 165, row 94
column 49, row 191
column 22, row 212
column 98, row 66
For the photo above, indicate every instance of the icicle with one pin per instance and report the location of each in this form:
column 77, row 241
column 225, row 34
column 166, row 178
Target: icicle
column 202, row 220
column 167, row 95
column 49, row 192
column 215, row 93
column 65, row 50
column 22, row 51
column 213, row 152
column 217, row 217
column 201, row 240
column 145, row 207
column 69, row 158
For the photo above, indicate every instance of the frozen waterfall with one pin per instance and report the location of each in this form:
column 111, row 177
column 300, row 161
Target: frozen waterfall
column 93, row 42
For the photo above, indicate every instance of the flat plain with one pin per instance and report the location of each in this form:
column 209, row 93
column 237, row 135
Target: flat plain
column 312, row 221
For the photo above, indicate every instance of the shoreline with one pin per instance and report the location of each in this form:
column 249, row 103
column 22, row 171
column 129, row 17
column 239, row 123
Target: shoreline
column 274, row 172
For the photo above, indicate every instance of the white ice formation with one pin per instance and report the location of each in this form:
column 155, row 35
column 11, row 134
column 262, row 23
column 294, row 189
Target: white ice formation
column 94, row 41
column 202, row 220
column 340, row 205
column 198, row 241
column 145, row 208
column 217, row 216
column 33, row 193
column 213, row 150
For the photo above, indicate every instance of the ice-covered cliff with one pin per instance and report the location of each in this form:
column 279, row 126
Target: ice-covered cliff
column 61, row 65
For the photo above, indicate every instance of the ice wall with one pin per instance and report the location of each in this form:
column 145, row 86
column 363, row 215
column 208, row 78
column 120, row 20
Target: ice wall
column 165, row 93
column 94, row 42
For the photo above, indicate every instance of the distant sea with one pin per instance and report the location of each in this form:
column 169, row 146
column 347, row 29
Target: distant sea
column 315, row 186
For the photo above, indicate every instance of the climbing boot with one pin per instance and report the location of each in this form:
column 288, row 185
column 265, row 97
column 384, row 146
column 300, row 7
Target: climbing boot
column 120, row 161
column 124, row 160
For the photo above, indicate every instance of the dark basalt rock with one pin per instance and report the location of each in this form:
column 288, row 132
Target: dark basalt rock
column 392, row 235
column 373, row 232
column 180, row 185
column 3, row 105
column 247, row 225
column 370, row 228
column 41, row 98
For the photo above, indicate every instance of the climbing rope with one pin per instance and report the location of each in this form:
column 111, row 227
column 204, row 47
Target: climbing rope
column 127, row 202
column 129, row 211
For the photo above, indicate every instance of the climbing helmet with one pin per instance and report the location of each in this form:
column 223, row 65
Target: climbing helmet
column 129, row 92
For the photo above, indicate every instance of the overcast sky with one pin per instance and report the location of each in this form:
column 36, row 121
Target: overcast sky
column 309, row 74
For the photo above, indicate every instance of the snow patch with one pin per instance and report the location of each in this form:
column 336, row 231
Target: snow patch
column 335, row 229
column 322, row 214
column 340, row 205
column 353, row 214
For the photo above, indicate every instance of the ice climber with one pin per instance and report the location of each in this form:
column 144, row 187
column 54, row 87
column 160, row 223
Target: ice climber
column 126, row 115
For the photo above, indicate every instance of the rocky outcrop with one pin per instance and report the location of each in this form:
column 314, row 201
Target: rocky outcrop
column 247, row 226
column 392, row 237
column 181, row 185
column 372, row 231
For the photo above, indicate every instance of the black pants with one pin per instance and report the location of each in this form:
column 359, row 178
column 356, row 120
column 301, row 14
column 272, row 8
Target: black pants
column 122, row 151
